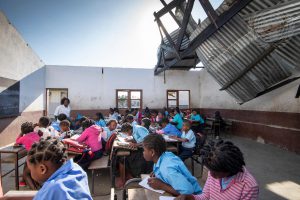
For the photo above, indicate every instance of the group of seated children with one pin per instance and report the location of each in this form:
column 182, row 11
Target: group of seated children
column 47, row 163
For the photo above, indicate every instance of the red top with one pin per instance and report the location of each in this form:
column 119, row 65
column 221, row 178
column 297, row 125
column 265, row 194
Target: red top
column 28, row 139
column 243, row 186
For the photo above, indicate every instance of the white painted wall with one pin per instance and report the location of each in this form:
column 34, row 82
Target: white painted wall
column 19, row 62
column 280, row 100
column 90, row 89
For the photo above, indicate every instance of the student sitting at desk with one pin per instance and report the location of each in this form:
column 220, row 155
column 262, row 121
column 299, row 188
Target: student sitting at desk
column 27, row 138
column 177, row 119
column 195, row 117
column 188, row 140
column 130, row 119
column 228, row 177
column 65, row 131
column 146, row 122
column 168, row 128
column 100, row 120
column 91, row 136
column 169, row 172
column 136, row 164
column 61, row 179
column 55, row 124
column 44, row 129
column 109, row 131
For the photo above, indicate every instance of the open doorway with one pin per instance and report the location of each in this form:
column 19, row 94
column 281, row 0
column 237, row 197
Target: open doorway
column 53, row 97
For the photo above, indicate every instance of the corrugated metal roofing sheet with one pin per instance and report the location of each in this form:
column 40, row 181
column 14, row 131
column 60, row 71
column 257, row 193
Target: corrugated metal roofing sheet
column 261, row 26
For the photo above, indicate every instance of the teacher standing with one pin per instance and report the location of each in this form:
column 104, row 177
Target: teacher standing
column 63, row 108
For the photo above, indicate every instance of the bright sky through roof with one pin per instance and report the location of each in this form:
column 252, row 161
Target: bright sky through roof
column 108, row 33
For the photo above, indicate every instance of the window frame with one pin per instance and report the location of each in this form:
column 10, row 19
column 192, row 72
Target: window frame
column 129, row 97
column 177, row 98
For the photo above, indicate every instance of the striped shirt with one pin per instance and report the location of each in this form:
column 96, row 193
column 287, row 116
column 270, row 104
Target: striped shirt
column 243, row 187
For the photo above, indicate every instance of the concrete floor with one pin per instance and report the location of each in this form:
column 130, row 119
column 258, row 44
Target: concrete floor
column 277, row 172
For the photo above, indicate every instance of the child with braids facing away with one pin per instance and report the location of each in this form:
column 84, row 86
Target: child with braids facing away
column 61, row 179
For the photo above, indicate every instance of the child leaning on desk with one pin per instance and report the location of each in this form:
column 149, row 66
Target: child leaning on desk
column 188, row 140
column 135, row 162
column 169, row 172
column 27, row 138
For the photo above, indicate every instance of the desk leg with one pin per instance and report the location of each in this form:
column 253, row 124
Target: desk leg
column 17, row 171
column 113, row 170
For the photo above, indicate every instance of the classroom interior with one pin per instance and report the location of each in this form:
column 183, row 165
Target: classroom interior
column 249, row 72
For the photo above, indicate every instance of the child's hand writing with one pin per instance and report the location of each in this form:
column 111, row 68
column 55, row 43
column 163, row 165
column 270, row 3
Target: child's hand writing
column 152, row 175
column 156, row 184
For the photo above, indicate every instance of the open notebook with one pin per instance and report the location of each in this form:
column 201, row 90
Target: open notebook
column 144, row 183
column 166, row 198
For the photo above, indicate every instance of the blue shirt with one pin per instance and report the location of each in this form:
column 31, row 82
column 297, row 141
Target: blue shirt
column 139, row 133
column 100, row 123
column 177, row 118
column 191, row 137
column 170, row 129
column 197, row 118
column 68, row 182
column 171, row 170
column 55, row 125
column 108, row 133
column 134, row 123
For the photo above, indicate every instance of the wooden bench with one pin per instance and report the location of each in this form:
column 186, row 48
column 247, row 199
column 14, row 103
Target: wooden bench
column 101, row 163
column 22, row 195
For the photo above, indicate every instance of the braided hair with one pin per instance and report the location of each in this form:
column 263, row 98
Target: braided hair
column 48, row 150
column 27, row 127
column 223, row 157
column 155, row 142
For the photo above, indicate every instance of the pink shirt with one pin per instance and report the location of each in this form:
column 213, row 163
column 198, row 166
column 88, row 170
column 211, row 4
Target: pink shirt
column 242, row 187
column 28, row 139
column 92, row 137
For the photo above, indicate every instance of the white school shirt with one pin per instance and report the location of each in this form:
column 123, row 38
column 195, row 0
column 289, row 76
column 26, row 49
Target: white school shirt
column 191, row 137
column 62, row 109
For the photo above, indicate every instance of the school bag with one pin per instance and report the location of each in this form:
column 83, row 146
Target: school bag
column 75, row 147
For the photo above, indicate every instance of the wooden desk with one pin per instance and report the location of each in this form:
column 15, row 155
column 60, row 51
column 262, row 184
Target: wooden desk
column 176, row 142
column 17, row 152
column 117, row 151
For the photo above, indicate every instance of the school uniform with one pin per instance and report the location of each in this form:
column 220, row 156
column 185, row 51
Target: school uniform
column 68, row 182
column 171, row 170
column 55, row 125
column 170, row 129
column 139, row 133
column 187, row 148
column 61, row 109
column 197, row 118
column 108, row 133
column 134, row 123
column 136, row 162
column 178, row 119
column 100, row 123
